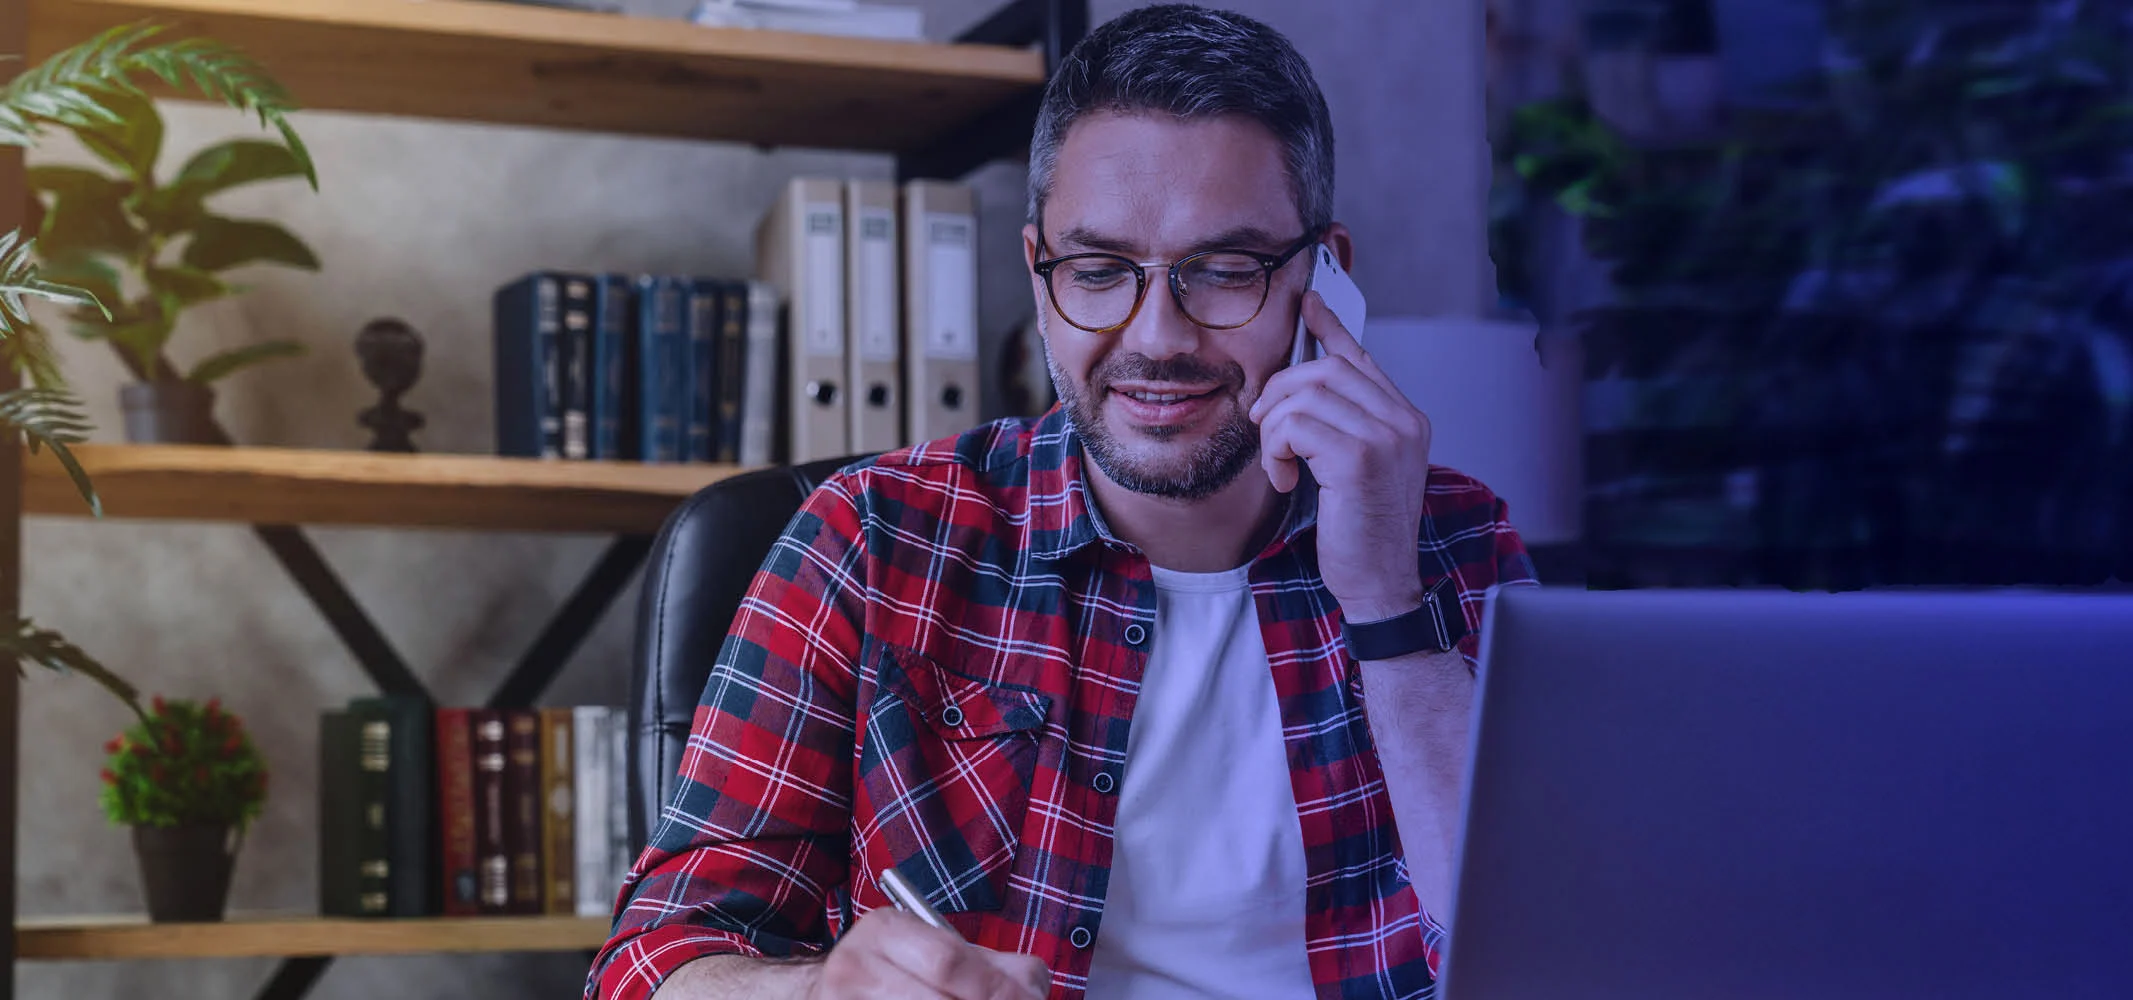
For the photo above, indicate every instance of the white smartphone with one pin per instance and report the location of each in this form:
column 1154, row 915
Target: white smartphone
column 1341, row 295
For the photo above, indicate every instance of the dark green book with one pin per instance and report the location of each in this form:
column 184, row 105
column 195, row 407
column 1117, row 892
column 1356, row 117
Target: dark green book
column 412, row 888
column 339, row 815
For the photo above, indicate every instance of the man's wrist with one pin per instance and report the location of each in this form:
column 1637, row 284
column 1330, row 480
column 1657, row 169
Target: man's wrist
column 1432, row 622
column 1380, row 609
column 716, row 977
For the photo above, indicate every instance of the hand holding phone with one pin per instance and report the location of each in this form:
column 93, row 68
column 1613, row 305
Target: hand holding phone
column 1331, row 282
column 1366, row 445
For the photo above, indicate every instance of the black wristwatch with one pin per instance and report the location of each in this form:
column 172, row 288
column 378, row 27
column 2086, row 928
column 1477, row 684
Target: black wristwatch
column 1435, row 627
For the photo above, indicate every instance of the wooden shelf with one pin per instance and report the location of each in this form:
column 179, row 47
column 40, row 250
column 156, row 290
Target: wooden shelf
column 282, row 935
column 503, row 63
column 311, row 486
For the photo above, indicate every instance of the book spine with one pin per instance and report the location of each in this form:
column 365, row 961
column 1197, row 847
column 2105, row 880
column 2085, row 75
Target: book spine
column 662, row 366
column 527, row 319
column 700, row 411
column 522, row 807
column 764, row 431
column 492, row 858
column 456, row 847
column 589, row 837
column 374, row 836
column 558, row 813
column 620, row 854
column 611, row 333
column 731, row 373
column 413, row 793
column 576, row 349
column 339, row 813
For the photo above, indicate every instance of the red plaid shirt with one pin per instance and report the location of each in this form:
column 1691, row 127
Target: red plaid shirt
column 937, row 661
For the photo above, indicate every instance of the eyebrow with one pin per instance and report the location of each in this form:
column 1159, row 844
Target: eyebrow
column 1245, row 237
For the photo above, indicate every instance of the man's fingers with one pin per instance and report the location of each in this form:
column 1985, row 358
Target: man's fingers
column 1028, row 970
column 874, row 977
column 1324, row 403
column 1339, row 341
column 1339, row 374
column 927, row 953
column 950, row 966
column 1277, row 458
column 1299, row 435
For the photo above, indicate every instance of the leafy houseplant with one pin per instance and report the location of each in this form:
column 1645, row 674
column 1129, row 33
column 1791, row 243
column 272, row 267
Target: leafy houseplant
column 189, row 781
column 85, row 88
column 1883, row 337
column 149, row 248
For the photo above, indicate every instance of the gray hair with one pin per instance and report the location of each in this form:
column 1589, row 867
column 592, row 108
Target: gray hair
column 1191, row 62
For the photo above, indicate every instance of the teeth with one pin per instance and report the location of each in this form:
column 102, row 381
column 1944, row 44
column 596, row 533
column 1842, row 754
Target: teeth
column 1159, row 397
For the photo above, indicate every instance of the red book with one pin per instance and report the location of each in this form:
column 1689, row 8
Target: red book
column 455, row 812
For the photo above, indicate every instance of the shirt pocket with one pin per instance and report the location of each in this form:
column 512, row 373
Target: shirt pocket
column 945, row 767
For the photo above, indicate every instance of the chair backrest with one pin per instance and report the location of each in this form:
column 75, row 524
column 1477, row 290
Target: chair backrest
column 701, row 564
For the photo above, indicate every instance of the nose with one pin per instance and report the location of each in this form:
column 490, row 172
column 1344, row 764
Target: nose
column 1160, row 330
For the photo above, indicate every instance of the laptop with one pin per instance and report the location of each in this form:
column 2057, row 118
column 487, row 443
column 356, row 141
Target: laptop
column 1748, row 794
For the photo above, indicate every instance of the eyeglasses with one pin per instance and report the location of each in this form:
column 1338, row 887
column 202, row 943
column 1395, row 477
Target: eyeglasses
column 1217, row 289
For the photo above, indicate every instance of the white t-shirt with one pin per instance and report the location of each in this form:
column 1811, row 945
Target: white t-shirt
column 1206, row 896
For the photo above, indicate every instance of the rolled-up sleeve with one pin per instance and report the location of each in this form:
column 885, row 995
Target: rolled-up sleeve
column 751, row 849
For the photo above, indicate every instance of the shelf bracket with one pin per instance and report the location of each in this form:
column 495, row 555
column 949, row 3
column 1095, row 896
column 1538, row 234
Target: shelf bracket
column 372, row 651
column 294, row 978
column 572, row 622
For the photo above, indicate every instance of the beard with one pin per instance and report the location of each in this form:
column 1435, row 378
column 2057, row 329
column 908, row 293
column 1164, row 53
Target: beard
column 1201, row 471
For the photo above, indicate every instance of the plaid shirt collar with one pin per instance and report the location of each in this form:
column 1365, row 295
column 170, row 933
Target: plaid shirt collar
column 1063, row 516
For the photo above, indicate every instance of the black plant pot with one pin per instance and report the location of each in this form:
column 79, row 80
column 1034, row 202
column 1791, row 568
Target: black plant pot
column 174, row 412
column 185, row 871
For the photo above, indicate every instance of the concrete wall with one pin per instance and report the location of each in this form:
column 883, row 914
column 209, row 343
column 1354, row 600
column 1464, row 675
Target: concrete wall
column 420, row 220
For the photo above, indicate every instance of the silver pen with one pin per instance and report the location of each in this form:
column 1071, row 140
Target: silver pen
column 908, row 900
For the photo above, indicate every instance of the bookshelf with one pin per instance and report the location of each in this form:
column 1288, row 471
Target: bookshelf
column 298, row 935
column 941, row 109
column 498, row 63
column 316, row 486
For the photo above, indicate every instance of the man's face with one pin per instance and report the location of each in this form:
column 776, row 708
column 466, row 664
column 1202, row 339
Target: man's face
column 1161, row 404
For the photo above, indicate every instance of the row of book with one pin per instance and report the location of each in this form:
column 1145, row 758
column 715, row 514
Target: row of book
column 857, row 334
column 429, row 811
column 647, row 368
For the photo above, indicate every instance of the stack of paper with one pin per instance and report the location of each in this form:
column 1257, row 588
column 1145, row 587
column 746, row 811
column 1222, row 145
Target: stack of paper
column 824, row 17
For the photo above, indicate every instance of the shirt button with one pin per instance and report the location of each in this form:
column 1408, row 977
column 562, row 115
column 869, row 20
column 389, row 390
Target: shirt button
column 951, row 716
column 1103, row 782
column 1135, row 634
column 1080, row 937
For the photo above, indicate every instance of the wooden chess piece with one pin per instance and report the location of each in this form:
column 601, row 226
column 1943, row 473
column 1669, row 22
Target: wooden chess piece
column 392, row 360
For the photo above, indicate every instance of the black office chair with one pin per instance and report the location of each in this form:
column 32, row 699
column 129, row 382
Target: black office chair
column 700, row 566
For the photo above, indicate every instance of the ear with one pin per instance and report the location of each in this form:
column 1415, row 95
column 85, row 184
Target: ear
column 1030, row 238
column 1343, row 244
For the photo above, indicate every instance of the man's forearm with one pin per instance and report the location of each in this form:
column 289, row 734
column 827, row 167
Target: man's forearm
column 1421, row 710
column 742, row 977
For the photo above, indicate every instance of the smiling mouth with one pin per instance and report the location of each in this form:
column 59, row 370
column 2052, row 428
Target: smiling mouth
column 1163, row 397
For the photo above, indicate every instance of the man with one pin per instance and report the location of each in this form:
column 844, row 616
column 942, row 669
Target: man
column 1087, row 681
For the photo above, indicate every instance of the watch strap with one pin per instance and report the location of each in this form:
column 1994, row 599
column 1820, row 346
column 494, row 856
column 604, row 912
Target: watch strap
column 1435, row 626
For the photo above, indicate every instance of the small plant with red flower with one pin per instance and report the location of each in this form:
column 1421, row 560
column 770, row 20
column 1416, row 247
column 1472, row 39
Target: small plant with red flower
column 184, row 764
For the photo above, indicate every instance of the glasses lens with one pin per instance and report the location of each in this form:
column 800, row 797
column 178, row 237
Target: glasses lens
column 1223, row 289
column 1095, row 292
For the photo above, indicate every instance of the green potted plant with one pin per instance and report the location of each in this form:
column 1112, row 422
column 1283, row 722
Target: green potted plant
column 188, row 781
column 148, row 248
column 84, row 88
